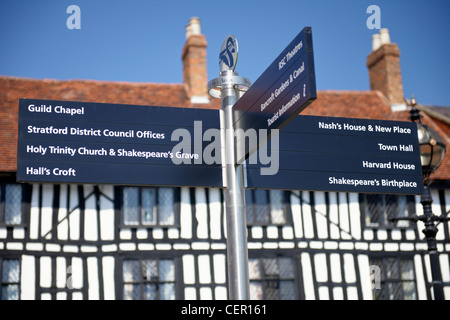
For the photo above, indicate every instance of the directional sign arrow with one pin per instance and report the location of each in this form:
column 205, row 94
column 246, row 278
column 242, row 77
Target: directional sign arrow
column 286, row 88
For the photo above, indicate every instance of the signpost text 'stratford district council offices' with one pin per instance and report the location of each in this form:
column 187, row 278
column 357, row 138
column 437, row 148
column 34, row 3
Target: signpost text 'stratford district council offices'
column 78, row 142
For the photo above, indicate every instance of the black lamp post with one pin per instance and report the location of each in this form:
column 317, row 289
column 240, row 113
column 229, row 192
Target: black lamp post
column 432, row 151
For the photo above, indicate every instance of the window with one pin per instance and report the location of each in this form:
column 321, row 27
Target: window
column 265, row 206
column 148, row 279
column 149, row 206
column 378, row 208
column 11, row 203
column 393, row 279
column 10, row 270
column 272, row 279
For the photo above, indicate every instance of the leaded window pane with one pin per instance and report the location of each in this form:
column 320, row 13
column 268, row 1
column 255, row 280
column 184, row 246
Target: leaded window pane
column 272, row 278
column 254, row 269
column 10, row 292
column 13, row 204
column 276, row 207
column 402, row 211
column 131, row 292
column 249, row 205
column 167, row 291
column 407, row 269
column 379, row 294
column 131, row 205
column 270, row 267
column 390, row 205
column 409, row 290
column 165, row 206
column 287, row 290
column 149, row 279
column 148, row 203
column 166, row 270
column 271, row 290
column 256, row 290
column 150, row 270
column 10, row 272
column 10, row 279
column 392, row 271
column 286, row 268
column 260, row 206
column 131, row 271
column 372, row 206
column 151, row 291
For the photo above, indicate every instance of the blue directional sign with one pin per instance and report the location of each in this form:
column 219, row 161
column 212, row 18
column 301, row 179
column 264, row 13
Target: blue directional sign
column 286, row 88
column 79, row 142
column 343, row 154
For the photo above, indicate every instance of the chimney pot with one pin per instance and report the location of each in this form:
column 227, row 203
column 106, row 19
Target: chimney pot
column 376, row 41
column 384, row 36
column 193, row 28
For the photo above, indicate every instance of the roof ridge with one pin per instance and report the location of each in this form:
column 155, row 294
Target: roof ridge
column 93, row 81
column 433, row 113
column 347, row 91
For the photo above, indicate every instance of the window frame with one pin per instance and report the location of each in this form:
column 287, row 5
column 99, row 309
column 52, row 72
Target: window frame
column 385, row 279
column 2, row 284
column 141, row 224
column 383, row 222
column 177, row 281
column 265, row 280
column 250, row 209
column 25, row 203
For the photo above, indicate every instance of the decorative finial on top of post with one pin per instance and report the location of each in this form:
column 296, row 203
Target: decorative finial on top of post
column 415, row 113
column 228, row 54
column 228, row 78
column 413, row 100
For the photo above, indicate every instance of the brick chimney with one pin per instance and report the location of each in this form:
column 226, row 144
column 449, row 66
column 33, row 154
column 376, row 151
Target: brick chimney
column 384, row 68
column 195, row 74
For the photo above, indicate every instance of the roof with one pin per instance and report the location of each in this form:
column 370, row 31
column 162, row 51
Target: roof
column 440, row 115
column 349, row 104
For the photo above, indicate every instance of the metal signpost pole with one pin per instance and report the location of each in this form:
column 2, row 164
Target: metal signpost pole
column 235, row 207
column 226, row 88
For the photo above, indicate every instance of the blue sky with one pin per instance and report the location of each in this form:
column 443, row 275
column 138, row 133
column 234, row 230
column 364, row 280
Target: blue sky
column 141, row 40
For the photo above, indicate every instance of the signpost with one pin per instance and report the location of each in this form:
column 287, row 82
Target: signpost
column 79, row 142
column 343, row 154
column 227, row 88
